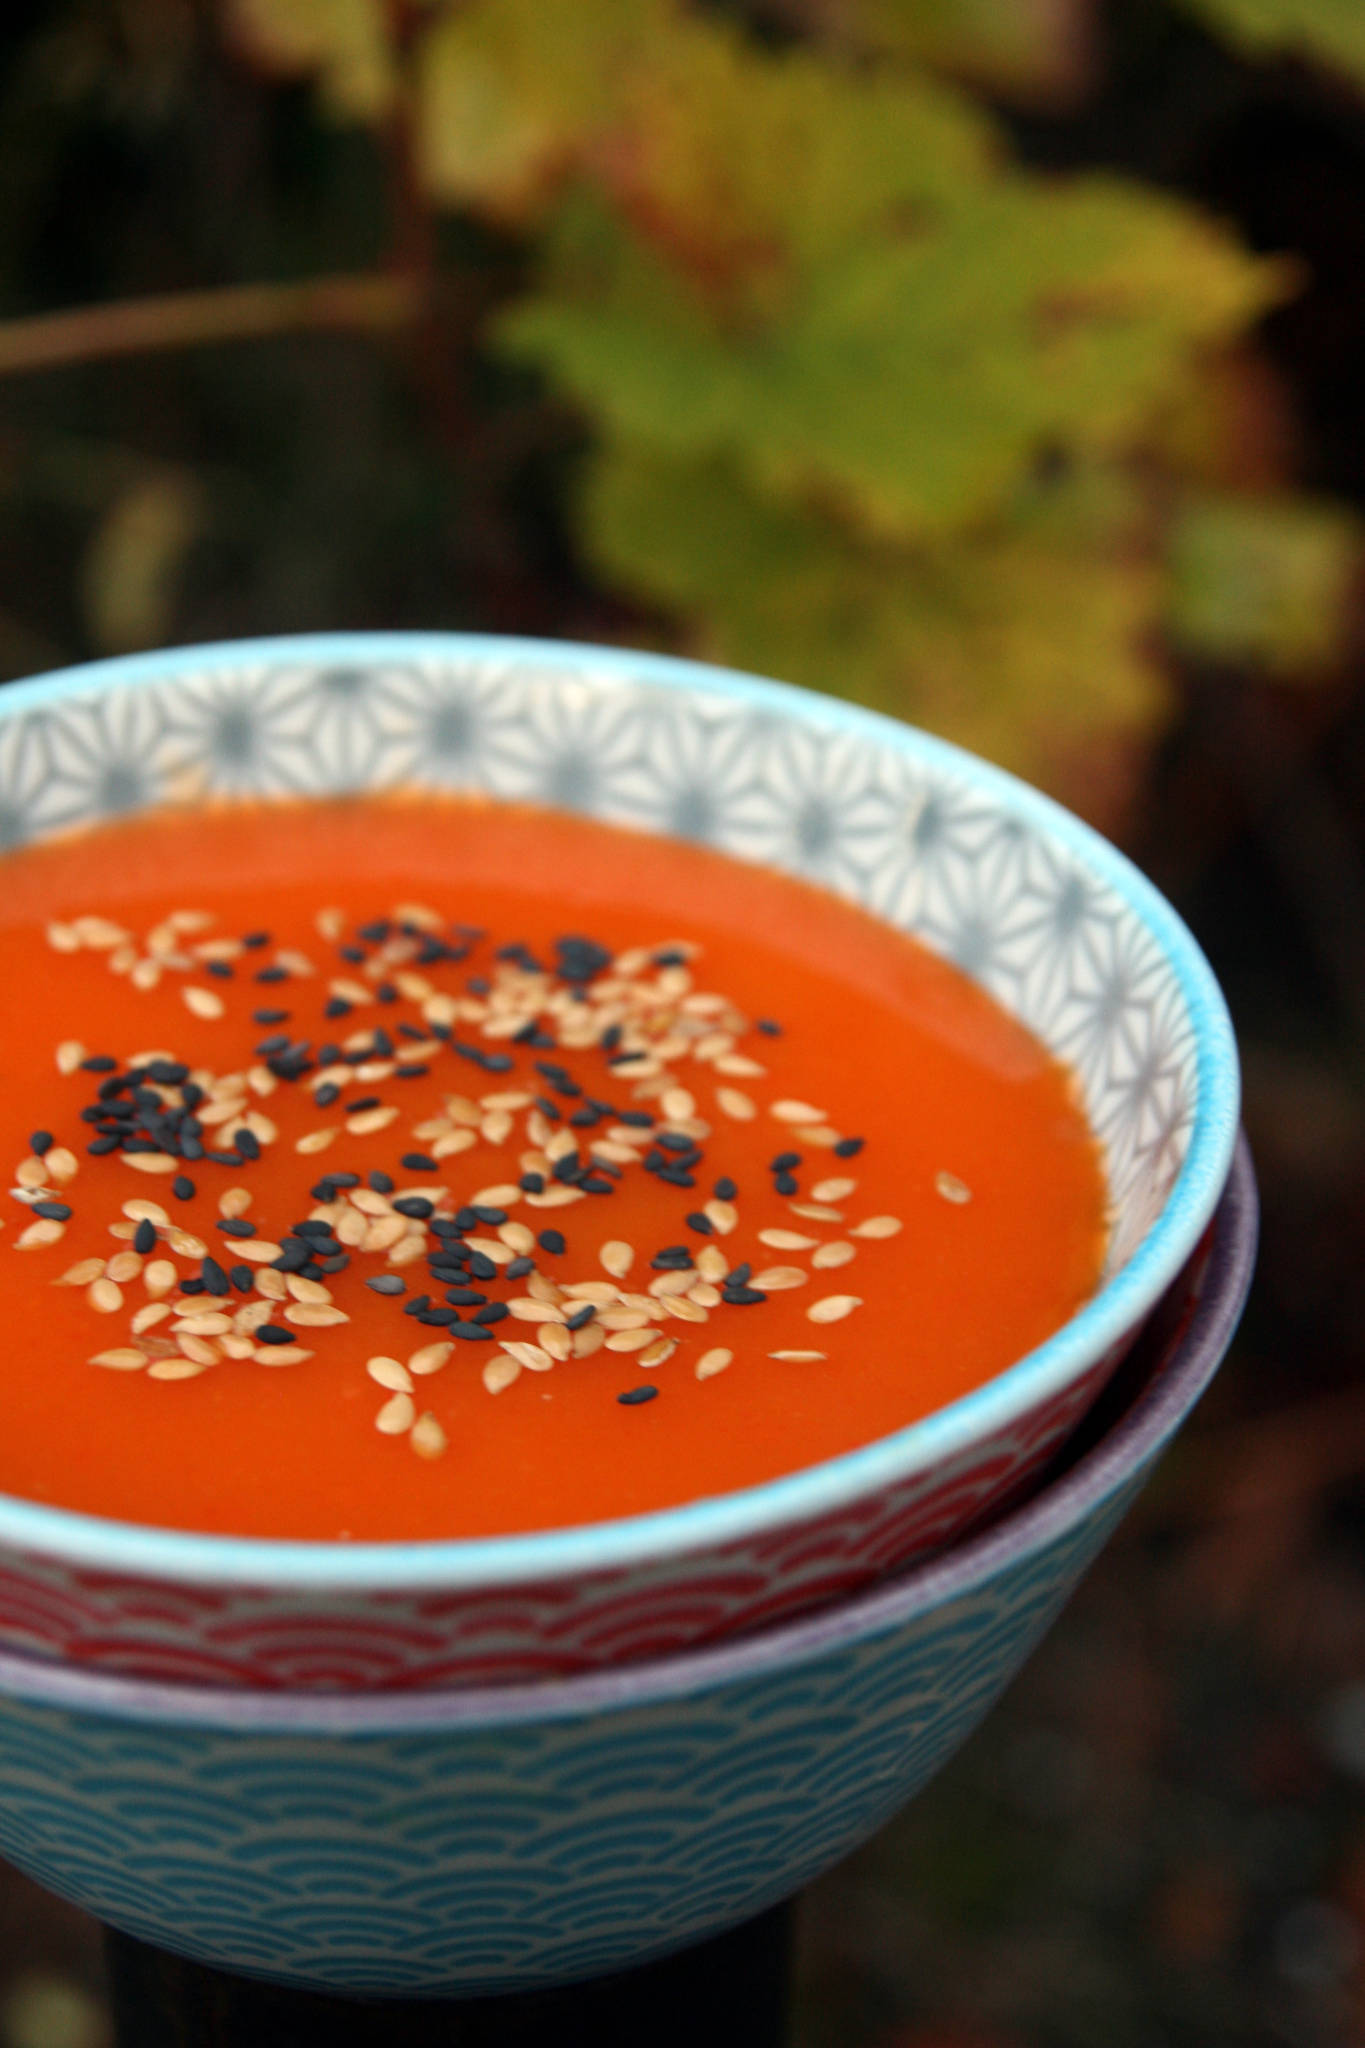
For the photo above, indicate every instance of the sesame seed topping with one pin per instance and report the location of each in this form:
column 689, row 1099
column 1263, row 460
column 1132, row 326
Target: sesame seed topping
column 833, row 1308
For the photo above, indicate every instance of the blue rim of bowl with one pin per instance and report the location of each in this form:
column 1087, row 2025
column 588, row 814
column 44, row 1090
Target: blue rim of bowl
column 466, row 1563
column 1124, row 1453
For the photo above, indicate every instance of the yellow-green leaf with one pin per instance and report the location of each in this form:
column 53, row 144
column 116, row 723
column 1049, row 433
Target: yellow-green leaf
column 1333, row 31
column 1263, row 580
column 343, row 43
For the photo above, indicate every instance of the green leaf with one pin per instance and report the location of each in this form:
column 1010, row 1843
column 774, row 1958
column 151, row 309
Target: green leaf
column 1265, row 581
column 918, row 377
column 1018, row 641
column 343, row 43
column 1025, row 48
column 1333, row 31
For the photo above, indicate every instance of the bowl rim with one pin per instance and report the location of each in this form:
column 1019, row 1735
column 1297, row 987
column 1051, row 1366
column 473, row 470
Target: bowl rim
column 1123, row 1453
column 457, row 1564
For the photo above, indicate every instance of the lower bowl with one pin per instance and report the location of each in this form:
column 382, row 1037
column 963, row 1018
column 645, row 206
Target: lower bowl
column 492, row 1839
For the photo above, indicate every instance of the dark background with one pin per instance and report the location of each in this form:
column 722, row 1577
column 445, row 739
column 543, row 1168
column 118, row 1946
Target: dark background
column 1158, row 1841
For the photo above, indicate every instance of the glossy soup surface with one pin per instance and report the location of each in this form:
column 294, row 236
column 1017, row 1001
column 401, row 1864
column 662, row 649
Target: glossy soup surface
column 722, row 1017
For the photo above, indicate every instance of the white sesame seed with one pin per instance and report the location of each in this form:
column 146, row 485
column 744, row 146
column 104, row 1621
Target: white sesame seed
column 429, row 1358
column 833, row 1190
column 104, row 1295
column 81, row 1274
column 316, row 1141
column 796, row 1356
column 788, row 1111
column 367, row 1121
column 427, row 1437
column 832, row 1308
column 202, row 1002
column 712, row 1362
column 777, row 1279
column 786, row 1240
column 122, row 1359
column 951, row 1188
column 617, row 1257
column 389, row 1373
column 836, row 1253
column 500, row 1373
column 70, row 1053
column 397, row 1416
column 736, row 1104
column 876, row 1226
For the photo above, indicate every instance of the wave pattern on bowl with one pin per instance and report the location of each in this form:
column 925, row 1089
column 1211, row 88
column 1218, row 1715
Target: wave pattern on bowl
column 477, row 1860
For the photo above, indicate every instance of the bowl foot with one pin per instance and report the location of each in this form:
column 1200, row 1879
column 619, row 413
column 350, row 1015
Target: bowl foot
column 731, row 1989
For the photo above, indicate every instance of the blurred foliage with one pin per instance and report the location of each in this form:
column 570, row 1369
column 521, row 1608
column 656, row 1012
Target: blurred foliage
column 1330, row 31
column 871, row 406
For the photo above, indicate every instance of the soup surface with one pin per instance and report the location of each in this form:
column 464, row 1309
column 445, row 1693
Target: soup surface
column 392, row 1168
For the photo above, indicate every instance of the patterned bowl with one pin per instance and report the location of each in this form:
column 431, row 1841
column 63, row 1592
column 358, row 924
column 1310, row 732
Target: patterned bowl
column 478, row 1840
column 1047, row 916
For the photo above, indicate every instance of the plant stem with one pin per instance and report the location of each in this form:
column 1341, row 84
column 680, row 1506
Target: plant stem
column 368, row 303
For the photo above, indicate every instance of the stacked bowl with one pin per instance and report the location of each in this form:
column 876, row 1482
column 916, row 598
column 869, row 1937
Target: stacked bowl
column 474, row 1765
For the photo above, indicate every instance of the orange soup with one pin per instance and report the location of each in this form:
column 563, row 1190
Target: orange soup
column 423, row 1168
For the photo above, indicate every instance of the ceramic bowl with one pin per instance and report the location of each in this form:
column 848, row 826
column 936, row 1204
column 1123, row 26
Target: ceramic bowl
column 484, row 1839
column 1047, row 916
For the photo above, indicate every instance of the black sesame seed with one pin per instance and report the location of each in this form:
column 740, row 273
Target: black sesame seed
column 481, row 1267
column 418, row 1162
column 213, row 1276
column 741, row 1297
column 532, row 1183
column 243, row 1278
column 236, row 1226
column 387, row 1283
column 551, row 1241
column 634, row 1396
column 98, row 1146
column 335, row 1262
column 144, row 1237
column 696, row 1221
column 414, row 1205
column 725, row 1189
column 248, row 1145
column 787, row 1184
column 416, row 1305
column 182, row 1187
column 486, row 1213
column 637, row 1119
column 98, row 1063
column 437, row 1318
column 849, row 1148
column 271, row 974
column 53, row 1212
column 519, row 1268
column 362, row 1102
column 272, row 1333
column 407, row 1072
column 325, row 1096
column 769, row 1029
column 41, row 1142
column 494, row 1312
column 465, row 1297
column 580, row 1316
column 255, row 940
column 221, row 970
column 270, row 1016
column 473, row 1333
column 784, row 1162
column 192, row 1286
column 382, row 1183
